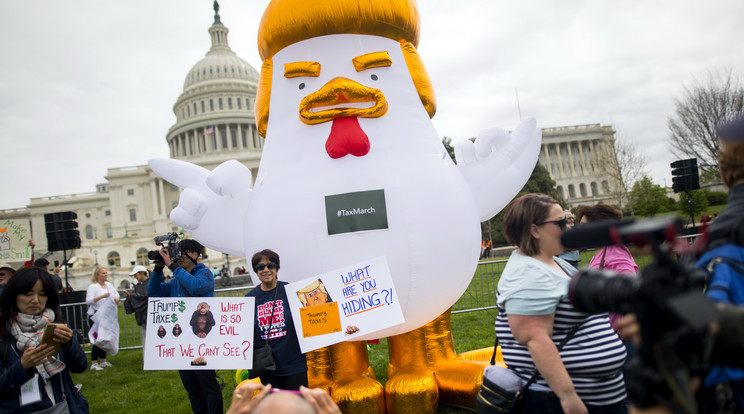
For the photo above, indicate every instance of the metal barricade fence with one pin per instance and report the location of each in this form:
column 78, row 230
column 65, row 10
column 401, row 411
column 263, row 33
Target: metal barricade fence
column 480, row 295
column 76, row 315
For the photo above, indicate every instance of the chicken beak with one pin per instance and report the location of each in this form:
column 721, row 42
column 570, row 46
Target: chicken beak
column 342, row 98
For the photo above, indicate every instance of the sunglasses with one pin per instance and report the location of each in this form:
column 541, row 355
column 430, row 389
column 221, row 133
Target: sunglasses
column 562, row 223
column 261, row 266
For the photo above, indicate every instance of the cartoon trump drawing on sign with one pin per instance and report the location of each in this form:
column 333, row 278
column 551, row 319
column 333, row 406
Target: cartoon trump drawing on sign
column 314, row 294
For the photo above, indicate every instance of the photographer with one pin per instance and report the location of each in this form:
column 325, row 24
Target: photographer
column 190, row 279
column 137, row 299
column 245, row 400
column 723, row 388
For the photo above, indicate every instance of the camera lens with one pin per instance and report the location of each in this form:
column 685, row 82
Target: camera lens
column 594, row 291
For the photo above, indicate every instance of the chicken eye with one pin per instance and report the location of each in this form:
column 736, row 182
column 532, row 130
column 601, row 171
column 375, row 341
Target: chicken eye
column 302, row 85
column 374, row 77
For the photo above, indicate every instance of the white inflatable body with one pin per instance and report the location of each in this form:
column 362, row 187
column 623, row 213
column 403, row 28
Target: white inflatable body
column 432, row 241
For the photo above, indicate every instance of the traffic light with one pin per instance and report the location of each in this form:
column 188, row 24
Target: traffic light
column 61, row 231
column 685, row 175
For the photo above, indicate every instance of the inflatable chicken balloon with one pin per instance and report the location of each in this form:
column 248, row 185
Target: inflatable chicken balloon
column 352, row 167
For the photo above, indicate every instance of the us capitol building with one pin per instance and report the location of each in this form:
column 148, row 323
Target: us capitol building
column 215, row 122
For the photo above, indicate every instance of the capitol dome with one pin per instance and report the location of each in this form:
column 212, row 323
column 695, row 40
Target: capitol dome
column 215, row 119
column 220, row 63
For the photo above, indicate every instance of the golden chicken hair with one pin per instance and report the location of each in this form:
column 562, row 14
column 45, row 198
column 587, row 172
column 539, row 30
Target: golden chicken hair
column 289, row 21
column 286, row 22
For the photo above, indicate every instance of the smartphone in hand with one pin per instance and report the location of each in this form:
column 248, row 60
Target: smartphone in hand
column 48, row 337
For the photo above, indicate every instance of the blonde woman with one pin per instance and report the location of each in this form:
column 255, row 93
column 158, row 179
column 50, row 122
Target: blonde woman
column 98, row 292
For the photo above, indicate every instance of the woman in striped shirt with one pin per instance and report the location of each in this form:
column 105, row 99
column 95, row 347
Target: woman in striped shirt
column 535, row 315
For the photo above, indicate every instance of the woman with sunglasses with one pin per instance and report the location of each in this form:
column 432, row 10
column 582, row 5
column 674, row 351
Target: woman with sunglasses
column 273, row 322
column 535, row 315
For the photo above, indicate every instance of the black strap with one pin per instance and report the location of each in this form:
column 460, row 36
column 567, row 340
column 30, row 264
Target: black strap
column 5, row 352
column 273, row 308
column 534, row 376
column 601, row 264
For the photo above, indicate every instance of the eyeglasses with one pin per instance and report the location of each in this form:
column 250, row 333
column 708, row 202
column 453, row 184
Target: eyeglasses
column 562, row 223
column 261, row 266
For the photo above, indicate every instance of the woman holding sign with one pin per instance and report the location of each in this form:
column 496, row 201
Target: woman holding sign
column 273, row 325
column 37, row 349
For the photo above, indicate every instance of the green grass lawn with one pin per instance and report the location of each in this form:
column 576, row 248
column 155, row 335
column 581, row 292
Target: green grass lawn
column 126, row 388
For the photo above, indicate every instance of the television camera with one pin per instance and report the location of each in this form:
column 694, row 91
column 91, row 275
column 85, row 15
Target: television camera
column 169, row 242
column 667, row 299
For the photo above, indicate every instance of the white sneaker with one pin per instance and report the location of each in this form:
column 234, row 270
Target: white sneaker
column 95, row 367
column 106, row 364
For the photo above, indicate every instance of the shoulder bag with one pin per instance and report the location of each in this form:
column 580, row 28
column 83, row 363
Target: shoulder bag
column 263, row 358
column 500, row 391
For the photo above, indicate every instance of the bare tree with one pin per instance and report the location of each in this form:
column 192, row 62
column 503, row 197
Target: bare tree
column 624, row 165
column 704, row 105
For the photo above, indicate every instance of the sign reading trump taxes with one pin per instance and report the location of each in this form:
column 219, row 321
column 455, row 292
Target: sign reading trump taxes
column 199, row 333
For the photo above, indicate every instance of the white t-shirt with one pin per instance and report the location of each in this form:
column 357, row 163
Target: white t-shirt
column 95, row 290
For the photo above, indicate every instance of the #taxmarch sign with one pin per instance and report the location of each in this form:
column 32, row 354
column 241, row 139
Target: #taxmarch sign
column 360, row 295
column 199, row 333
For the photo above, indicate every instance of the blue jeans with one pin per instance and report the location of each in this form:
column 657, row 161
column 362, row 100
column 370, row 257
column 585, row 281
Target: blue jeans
column 548, row 403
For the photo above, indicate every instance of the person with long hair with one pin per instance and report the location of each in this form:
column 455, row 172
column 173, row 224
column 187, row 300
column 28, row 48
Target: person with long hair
column 273, row 324
column 28, row 304
column 98, row 292
column 535, row 315
column 615, row 258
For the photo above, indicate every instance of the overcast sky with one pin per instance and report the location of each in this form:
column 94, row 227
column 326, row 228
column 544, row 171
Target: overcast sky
column 90, row 85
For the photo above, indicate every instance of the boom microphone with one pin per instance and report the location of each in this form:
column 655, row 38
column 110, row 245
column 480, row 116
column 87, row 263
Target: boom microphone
column 608, row 233
column 591, row 235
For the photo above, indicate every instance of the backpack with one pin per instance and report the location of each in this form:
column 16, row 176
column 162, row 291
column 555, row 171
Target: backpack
column 724, row 266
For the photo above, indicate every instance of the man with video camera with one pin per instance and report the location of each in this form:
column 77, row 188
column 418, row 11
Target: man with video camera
column 723, row 388
column 190, row 279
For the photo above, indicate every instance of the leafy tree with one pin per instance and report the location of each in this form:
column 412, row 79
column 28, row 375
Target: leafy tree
column 715, row 198
column 447, row 142
column 699, row 203
column 648, row 198
column 703, row 106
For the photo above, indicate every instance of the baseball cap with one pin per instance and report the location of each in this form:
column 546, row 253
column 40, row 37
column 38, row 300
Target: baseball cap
column 7, row 266
column 137, row 269
column 732, row 130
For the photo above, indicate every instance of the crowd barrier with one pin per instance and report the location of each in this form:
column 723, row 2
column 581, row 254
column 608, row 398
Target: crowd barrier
column 480, row 295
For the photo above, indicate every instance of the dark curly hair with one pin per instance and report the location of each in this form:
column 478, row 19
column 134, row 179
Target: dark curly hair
column 597, row 212
column 191, row 245
column 269, row 254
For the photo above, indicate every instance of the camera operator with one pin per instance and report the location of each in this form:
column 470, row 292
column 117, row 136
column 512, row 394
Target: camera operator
column 190, row 279
column 723, row 388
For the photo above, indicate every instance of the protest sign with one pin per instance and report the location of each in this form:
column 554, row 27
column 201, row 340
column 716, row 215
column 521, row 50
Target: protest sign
column 14, row 236
column 361, row 295
column 199, row 333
